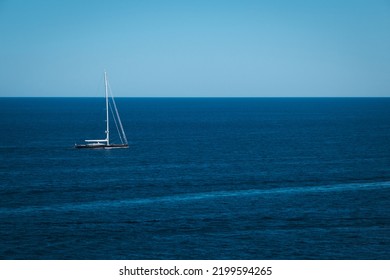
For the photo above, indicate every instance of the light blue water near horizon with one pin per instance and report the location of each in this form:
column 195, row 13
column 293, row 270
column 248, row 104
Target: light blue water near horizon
column 204, row 178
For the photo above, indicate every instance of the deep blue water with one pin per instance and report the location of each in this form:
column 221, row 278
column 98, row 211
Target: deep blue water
column 203, row 179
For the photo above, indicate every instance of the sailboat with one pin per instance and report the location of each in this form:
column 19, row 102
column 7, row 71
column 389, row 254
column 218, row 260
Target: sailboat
column 105, row 143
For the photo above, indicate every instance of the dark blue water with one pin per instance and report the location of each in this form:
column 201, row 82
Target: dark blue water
column 202, row 179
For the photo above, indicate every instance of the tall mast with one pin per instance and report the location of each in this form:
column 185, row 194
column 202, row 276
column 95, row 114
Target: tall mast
column 107, row 117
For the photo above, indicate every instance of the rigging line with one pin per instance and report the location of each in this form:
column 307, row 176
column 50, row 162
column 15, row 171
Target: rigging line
column 117, row 114
column 116, row 124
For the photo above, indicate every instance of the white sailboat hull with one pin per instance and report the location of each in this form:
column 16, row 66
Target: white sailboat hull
column 101, row 146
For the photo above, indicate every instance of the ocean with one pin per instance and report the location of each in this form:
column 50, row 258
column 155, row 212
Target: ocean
column 203, row 178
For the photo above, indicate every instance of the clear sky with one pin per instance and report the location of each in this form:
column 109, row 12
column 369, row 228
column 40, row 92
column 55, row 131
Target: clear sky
column 195, row 48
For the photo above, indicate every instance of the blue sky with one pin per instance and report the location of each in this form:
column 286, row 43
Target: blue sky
column 195, row 48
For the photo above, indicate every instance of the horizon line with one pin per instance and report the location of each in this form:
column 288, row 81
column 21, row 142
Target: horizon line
column 196, row 97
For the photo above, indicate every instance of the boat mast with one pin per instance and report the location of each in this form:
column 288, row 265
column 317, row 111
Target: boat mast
column 107, row 117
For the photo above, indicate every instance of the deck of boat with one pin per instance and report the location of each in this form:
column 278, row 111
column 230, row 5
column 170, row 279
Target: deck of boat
column 102, row 146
